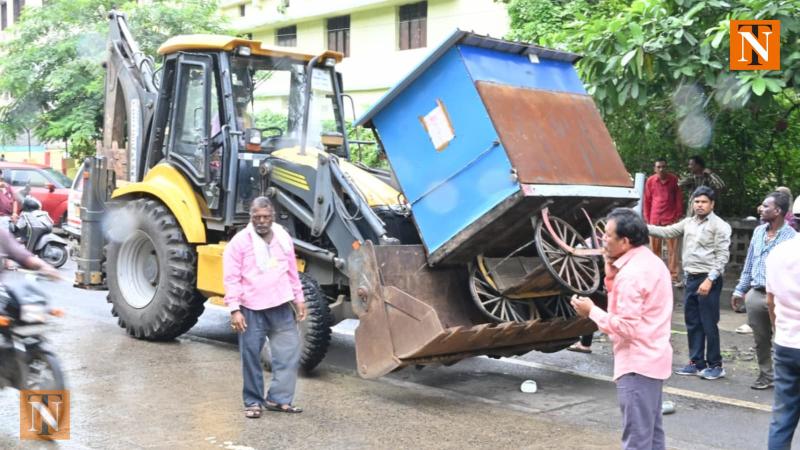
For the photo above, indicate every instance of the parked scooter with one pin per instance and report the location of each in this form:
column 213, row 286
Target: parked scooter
column 34, row 230
column 26, row 362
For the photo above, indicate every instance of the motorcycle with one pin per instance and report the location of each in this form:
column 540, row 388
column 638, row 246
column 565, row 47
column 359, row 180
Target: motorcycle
column 26, row 362
column 34, row 230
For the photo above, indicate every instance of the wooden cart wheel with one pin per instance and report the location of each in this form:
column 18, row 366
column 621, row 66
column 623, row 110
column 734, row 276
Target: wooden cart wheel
column 579, row 274
column 600, row 232
column 497, row 307
column 600, row 229
column 557, row 306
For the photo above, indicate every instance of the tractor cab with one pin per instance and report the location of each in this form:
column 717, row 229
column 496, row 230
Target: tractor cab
column 226, row 104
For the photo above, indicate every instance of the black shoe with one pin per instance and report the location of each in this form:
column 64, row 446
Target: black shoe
column 761, row 383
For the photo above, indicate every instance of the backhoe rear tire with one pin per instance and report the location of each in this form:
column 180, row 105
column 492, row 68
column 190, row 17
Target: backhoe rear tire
column 151, row 275
column 315, row 331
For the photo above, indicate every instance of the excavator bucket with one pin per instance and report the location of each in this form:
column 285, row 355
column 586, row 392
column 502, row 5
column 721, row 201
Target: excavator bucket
column 411, row 313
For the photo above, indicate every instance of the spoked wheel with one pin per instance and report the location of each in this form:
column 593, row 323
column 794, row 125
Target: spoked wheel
column 494, row 305
column 557, row 306
column 600, row 230
column 579, row 274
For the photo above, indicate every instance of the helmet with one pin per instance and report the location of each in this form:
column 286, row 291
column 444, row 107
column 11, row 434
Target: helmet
column 31, row 204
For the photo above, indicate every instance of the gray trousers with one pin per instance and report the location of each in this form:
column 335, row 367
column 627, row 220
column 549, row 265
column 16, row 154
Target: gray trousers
column 758, row 319
column 640, row 402
column 284, row 342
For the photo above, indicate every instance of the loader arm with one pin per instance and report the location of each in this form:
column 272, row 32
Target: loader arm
column 130, row 95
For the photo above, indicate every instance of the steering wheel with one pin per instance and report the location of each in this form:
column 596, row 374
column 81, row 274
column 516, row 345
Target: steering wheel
column 272, row 136
column 269, row 141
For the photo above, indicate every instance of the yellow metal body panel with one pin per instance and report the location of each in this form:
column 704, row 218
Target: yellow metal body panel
column 375, row 191
column 291, row 178
column 209, row 269
column 215, row 42
column 165, row 183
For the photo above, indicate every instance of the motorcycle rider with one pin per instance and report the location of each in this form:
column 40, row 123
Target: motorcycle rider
column 11, row 249
column 8, row 202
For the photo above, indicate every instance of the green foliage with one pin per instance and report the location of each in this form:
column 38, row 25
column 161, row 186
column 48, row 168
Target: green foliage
column 658, row 70
column 51, row 67
column 364, row 148
column 269, row 119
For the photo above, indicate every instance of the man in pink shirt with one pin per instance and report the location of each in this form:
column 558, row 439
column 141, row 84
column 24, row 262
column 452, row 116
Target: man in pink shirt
column 638, row 322
column 783, row 300
column 261, row 282
column 663, row 205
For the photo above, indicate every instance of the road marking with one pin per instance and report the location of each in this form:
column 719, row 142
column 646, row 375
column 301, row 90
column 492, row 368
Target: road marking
column 346, row 330
column 667, row 389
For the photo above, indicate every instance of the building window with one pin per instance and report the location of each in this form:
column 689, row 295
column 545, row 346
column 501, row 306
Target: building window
column 287, row 36
column 242, row 10
column 412, row 25
column 18, row 5
column 339, row 34
column 3, row 16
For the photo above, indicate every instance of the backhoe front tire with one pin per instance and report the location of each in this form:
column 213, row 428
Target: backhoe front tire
column 151, row 275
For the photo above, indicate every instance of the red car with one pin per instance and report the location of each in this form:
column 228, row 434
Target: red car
column 48, row 186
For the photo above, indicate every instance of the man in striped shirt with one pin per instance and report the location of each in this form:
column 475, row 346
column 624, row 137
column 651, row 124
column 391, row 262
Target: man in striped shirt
column 753, row 280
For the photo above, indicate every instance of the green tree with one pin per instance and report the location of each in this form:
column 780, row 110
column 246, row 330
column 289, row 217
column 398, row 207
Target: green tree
column 51, row 67
column 658, row 70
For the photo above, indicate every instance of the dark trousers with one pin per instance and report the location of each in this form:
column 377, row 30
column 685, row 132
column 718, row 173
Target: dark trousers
column 701, row 314
column 284, row 342
column 786, row 408
column 640, row 402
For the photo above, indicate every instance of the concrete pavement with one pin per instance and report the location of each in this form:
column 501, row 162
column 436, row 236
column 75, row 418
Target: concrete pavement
column 134, row 394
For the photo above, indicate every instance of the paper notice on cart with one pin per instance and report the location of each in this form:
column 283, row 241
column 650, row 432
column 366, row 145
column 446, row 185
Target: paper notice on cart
column 437, row 125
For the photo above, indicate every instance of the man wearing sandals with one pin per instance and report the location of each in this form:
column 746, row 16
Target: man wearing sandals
column 261, row 282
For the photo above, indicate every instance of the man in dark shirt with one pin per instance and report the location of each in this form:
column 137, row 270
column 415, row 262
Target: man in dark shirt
column 698, row 176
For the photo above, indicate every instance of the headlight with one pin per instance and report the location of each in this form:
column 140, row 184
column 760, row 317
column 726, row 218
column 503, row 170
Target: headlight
column 33, row 313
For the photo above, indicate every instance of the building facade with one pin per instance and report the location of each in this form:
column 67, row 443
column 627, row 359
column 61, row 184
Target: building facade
column 382, row 40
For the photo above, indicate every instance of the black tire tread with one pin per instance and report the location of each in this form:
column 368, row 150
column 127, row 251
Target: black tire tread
column 320, row 320
column 179, row 305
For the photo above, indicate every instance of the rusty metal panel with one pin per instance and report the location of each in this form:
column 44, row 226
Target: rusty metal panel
column 553, row 137
column 446, row 290
column 411, row 313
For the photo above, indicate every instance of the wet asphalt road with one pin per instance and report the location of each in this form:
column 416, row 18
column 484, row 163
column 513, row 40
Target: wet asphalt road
column 186, row 394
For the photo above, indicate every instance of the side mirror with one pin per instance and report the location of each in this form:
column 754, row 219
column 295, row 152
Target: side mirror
column 252, row 140
column 332, row 139
column 50, row 187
